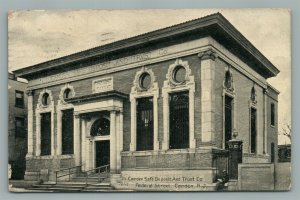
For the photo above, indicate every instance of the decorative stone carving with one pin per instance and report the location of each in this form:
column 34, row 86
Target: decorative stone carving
column 170, row 85
column 103, row 85
column 40, row 100
column 137, row 92
column 171, row 82
column 228, row 83
column 62, row 90
column 30, row 92
column 208, row 54
column 229, row 90
column 253, row 96
column 137, row 88
column 41, row 108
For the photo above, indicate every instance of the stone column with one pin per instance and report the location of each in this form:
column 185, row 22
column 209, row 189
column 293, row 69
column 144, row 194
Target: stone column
column 207, row 95
column 77, row 139
column 121, row 131
column 155, row 125
column 265, row 133
column 59, row 133
column 118, row 143
column 192, row 142
column 88, row 157
column 38, row 133
column 83, row 144
column 30, row 123
column 113, row 142
column 53, row 115
column 165, row 94
column 133, row 125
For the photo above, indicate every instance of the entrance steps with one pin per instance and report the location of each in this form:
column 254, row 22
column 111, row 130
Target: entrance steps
column 95, row 178
column 77, row 184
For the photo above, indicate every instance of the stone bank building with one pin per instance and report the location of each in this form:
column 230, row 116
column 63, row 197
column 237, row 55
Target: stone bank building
column 157, row 108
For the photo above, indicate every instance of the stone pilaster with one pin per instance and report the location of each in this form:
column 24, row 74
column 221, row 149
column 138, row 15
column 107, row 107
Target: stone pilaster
column 59, row 133
column 133, row 127
column 77, row 139
column 265, row 133
column 207, row 95
column 83, row 144
column 38, row 134
column 118, row 158
column 113, row 142
column 53, row 115
column 30, row 123
column 120, row 139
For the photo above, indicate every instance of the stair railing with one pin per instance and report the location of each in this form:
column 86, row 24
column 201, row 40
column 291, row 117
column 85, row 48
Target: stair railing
column 67, row 174
column 99, row 171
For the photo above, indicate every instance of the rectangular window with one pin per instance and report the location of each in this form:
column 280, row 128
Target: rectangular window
column 19, row 100
column 179, row 120
column 272, row 152
column 45, row 134
column 253, row 131
column 20, row 130
column 272, row 114
column 144, row 124
column 228, row 119
column 67, row 131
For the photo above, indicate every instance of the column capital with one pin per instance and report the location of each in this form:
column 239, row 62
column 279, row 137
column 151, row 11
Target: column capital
column 86, row 117
column 76, row 115
column 208, row 54
column 30, row 92
column 113, row 112
column 266, row 91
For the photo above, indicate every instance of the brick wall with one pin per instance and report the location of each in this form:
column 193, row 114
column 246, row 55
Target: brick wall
column 123, row 81
column 243, row 86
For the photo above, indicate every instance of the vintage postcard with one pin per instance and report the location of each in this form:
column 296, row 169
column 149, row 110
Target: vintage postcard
column 149, row 100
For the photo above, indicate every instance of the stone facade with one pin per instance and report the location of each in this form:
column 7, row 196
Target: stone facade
column 109, row 87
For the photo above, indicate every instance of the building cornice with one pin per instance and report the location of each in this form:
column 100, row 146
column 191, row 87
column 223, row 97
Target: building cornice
column 214, row 25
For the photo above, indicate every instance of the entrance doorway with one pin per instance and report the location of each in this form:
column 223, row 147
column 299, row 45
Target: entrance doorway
column 102, row 153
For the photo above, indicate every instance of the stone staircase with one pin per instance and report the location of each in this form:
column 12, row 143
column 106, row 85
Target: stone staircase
column 94, row 183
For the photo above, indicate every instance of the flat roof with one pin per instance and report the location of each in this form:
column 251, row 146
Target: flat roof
column 215, row 25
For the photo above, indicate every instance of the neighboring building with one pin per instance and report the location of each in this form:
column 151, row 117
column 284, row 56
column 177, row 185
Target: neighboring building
column 17, row 126
column 158, row 108
column 284, row 153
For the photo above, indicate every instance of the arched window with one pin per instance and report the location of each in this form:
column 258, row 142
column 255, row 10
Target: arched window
column 67, row 93
column 45, row 99
column 101, row 127
column 228, row 80
column 145, row 81
column 179, row 74
column 253, row 94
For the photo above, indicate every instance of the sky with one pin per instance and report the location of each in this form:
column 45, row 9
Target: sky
column 37, row 36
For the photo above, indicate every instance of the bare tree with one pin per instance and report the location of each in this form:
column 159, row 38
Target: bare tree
column 287, row 131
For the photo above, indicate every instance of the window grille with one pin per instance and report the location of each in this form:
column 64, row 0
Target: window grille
column 179, row 120
column 228, row 120
column 67, row 131
column 253, row 130
column 45, row 134
column 144, row 124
